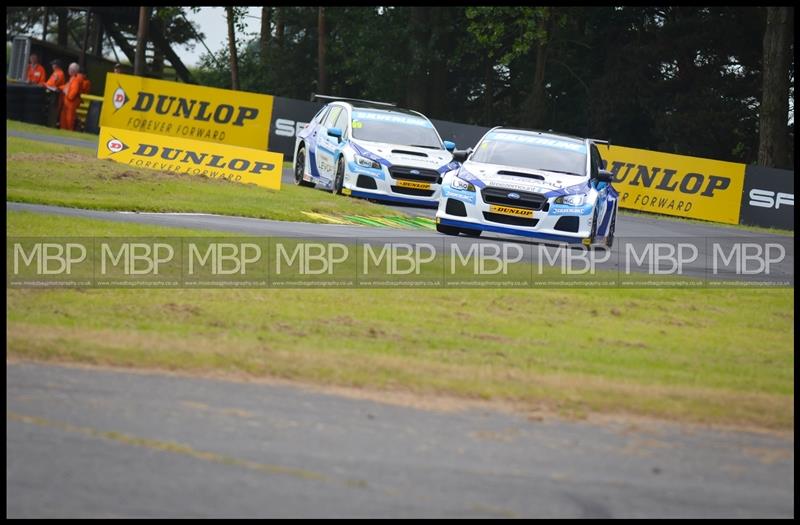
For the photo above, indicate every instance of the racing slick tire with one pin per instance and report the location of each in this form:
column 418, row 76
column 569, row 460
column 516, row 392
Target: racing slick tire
column 300, row 163
column 338, row 179
column 593, row 234
column 610, row 238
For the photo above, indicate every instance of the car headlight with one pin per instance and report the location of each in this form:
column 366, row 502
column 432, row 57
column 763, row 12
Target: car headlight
column 367, row 163
column 572, row 200
column 461, row 184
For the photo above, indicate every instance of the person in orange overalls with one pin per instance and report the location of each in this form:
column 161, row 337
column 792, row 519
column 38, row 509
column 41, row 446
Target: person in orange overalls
column 72, row 97
column 36, row 74
column 56, row 82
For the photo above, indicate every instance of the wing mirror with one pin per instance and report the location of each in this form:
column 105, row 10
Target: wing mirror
column 335, row 132
column 449, row 146
column 460, row 155
column 604, row 176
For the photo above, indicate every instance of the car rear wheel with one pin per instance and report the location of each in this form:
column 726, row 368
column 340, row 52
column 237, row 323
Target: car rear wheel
column 299, row 166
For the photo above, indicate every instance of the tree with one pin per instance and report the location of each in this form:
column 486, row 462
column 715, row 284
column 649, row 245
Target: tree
column 773, row 147
column 506, row 34
column 234, row 61
column 266, row 35
column 322, row 78
column 139, row 65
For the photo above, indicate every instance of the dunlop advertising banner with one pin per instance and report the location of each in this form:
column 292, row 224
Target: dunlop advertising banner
column 689, row 187
column 236, row 118
column 191, row 157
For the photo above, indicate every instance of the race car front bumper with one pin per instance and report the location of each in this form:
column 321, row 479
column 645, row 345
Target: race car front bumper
column 406, row 185
column 538, row 217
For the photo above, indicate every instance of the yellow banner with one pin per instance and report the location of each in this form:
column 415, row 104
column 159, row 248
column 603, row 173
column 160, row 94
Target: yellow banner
column 191, row 157
column 237, row 118
column 690, row 187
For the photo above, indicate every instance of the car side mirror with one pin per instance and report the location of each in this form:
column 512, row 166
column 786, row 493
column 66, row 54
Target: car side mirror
column 604, row 176
column 335, row 132
column 449, row 146
column 460, row 155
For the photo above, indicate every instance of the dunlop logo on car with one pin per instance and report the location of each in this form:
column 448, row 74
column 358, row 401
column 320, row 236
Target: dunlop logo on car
column 507, row 210
column 192, row 157
column 237, row 118
column 413, row 184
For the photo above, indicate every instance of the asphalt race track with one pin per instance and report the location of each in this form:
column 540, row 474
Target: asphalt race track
column 102, row 443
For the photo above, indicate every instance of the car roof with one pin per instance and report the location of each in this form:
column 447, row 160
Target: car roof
column 384, row 109
column 537, row 133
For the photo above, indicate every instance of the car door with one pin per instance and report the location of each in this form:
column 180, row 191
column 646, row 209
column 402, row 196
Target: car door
column 327, row 146
column 604, row 211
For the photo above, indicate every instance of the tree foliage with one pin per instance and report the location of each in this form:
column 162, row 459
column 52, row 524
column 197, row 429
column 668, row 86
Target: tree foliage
column 679, row 79
column 685, row 79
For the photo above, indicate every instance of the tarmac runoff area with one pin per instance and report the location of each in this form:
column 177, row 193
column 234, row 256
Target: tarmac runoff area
column 95, row 442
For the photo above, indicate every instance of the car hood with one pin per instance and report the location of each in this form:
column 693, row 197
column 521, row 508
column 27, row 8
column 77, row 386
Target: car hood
column 403, row 155
column 521, row 179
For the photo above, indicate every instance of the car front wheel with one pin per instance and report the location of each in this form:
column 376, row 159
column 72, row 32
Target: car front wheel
column 299, row 166
column 338, row 180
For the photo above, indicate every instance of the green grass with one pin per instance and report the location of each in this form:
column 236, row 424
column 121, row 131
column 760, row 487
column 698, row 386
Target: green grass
column 731, row 227
column 30, row 224
column 45, row 130
column 715, row 356
column 45, row 173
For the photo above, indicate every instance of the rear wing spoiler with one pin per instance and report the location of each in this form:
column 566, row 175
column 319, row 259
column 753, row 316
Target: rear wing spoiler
column 606, row 143
column 314, row 97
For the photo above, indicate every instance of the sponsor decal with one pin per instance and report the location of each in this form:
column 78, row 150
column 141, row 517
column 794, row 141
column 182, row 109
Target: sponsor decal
column 115, row 145
column 173, row 109
column 387, row 116
column 509, row 210
column 770, row 199
column 463, row 196
column 519, row 138
column 192, row 157
column 690, row 187
column 557, row 209
column 120, row 98
column 414, row 184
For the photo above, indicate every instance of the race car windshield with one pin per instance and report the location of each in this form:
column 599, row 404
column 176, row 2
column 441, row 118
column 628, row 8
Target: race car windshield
column 535, row 153
column 394, row 128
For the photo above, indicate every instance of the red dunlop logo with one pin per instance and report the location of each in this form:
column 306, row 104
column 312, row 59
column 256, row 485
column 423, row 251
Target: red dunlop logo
column 115, row 145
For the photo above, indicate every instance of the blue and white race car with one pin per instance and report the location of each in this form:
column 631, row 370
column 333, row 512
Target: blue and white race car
column 373, row 150
column 542, row 185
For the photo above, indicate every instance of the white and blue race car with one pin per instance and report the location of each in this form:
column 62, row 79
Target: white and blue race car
column 373, row 150
column 546, row 186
